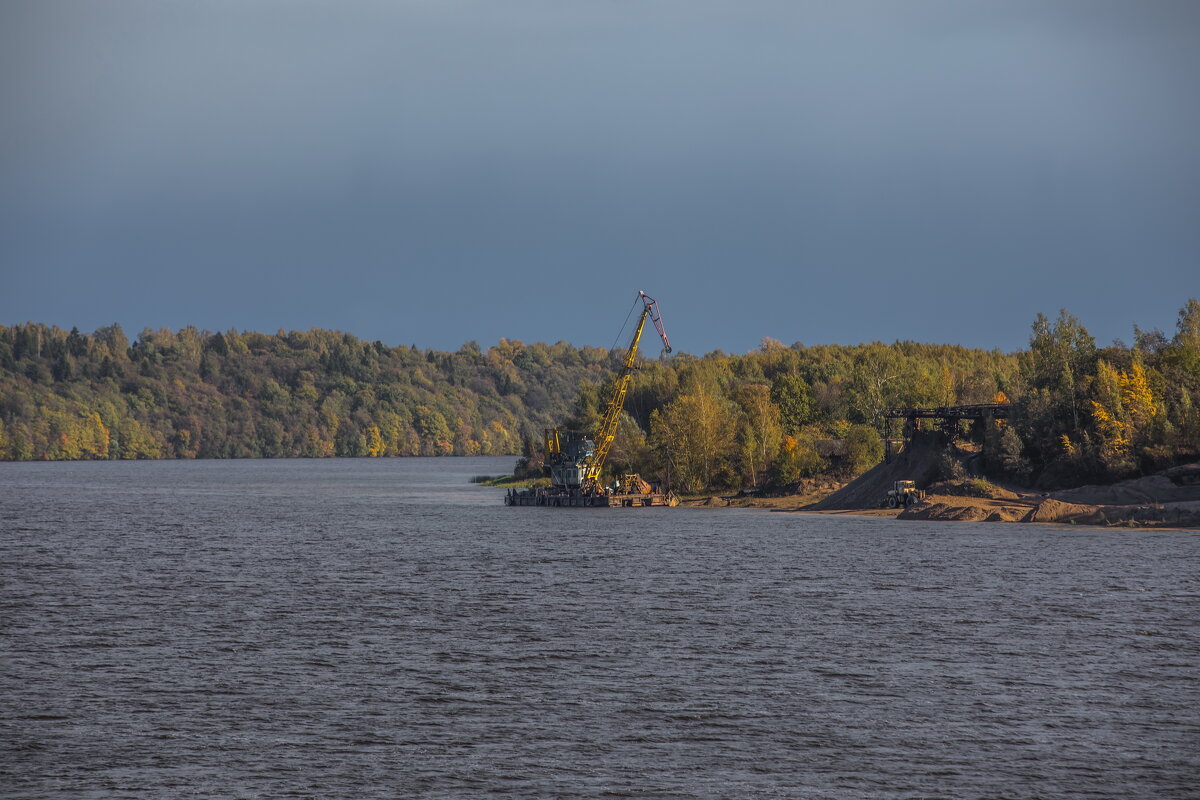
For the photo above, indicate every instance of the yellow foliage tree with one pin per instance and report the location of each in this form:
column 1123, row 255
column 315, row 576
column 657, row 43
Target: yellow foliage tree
column 137, row 441
column 761, row 431
column 94, row 438
column 798, row 458
column 696, row 430
column 1114, row 435
column 1124, row 409
column 1138, row 397
column 374, row 442
column 947, row 390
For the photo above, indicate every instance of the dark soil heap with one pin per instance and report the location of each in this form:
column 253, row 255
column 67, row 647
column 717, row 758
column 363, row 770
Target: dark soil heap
column 917, row 462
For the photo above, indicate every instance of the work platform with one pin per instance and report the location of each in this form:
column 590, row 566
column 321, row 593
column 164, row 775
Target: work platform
column 545, row 497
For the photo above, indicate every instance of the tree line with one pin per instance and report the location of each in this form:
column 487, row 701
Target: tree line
column 769, row 419
column 317, row 393
column 765, row 419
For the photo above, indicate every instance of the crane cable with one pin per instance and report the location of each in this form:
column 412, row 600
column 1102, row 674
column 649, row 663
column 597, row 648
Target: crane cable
column 624, row 324
column 638, row 408
column 616, row 341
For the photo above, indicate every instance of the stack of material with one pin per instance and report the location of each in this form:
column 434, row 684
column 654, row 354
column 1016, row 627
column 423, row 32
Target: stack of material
column 917, row 462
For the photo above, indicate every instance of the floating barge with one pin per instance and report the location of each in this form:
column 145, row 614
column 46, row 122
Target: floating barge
column 573, row 460
column 549, row 497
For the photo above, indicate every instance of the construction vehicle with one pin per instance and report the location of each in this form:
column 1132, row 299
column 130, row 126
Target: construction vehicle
column 575, row 459
column 632, row 483
column 903, row 494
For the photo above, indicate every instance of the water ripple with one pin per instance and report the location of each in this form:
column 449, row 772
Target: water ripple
column 379, row 629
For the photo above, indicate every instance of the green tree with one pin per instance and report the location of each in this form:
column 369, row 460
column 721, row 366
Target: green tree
column 864, row 448
column 1062, row 357
column 798, row 459
column 1011, row 461
column 350, row 441
column 794, row 398
column 631, row 451
column 1183, row 354
column 1059, row 370
column 874, row 381
column 431, row 425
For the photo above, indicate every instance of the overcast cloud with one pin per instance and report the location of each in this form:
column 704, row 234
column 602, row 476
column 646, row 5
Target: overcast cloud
column 435, row 172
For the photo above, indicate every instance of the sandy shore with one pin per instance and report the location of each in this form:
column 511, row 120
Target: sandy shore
column 1170, row 499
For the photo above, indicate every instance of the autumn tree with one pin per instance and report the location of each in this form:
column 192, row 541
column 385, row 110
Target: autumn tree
column 1123, row 409
column 695, row 433
column 374, row 441
column 797, row 459
column 761, row 430
column 318, row 393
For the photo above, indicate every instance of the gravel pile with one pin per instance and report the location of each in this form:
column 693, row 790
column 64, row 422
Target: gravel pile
column 917, row 462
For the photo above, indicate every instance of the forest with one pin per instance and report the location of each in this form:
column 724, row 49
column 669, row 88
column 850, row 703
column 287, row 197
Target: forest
column 766, row 419
column 314, row 394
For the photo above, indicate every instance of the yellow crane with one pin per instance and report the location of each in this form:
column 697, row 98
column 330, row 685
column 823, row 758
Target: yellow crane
column 574, row 460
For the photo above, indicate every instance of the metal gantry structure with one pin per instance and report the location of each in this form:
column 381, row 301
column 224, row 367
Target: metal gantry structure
column 976, row 411
column 949, row 416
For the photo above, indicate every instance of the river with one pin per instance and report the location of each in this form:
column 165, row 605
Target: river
column 382, row 628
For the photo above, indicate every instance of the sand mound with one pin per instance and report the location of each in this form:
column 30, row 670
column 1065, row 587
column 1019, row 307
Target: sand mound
column 948, row 512
column 1170, row 498
column 976, row 488
column 1177, row 485
column 917, row 462
column 965, row 508
column 1169, row 515
column 1008, row 514
column 950, row 508
column 1051, row 510
column 1184, row 475
column 1180, row 515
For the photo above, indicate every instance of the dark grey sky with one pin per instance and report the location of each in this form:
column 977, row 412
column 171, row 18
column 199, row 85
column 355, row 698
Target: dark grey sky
column 437, row 171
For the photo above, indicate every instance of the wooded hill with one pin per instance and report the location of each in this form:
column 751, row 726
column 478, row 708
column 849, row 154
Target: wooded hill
column 1081, row 412
column 196, row 394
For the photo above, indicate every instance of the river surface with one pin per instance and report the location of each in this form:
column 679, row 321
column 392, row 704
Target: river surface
column 384, row 629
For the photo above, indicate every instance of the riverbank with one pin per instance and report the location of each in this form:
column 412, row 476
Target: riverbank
column 510, row 482
column 1169, row 499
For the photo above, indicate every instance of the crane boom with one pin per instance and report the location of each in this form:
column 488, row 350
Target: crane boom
column 606, row 431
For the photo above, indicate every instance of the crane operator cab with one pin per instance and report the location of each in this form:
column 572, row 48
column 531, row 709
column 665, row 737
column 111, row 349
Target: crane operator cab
column 567, row 455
